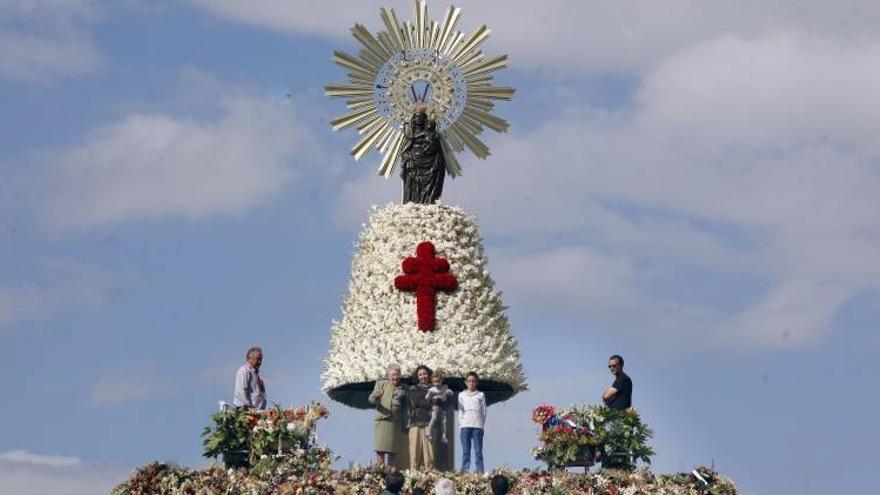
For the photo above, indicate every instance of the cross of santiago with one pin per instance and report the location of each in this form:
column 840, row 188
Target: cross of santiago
column 425, row 275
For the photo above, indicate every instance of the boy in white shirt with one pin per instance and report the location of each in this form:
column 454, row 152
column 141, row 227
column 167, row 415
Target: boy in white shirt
column 471, row 420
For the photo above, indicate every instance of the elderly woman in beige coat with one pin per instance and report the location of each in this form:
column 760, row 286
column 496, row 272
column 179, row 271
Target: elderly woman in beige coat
column 389, row 397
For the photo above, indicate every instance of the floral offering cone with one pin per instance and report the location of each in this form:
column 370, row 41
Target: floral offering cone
column 380, row 323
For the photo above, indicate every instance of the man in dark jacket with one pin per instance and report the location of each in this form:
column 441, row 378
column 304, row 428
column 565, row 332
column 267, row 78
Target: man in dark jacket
column 619, row 394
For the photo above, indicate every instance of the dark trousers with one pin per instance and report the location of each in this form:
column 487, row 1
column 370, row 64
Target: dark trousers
column 469, row 436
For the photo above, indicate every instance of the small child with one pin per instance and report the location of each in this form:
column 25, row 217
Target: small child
column 437, row 396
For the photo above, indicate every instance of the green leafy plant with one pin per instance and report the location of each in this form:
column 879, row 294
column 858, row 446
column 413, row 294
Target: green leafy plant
column 626, row 438
column 229, row 436
column 244, row 437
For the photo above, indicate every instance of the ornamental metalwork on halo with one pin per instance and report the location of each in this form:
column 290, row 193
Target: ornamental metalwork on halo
column 419, row 64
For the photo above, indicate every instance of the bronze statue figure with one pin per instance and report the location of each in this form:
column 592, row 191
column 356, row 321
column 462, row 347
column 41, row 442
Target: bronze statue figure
column 423, row 168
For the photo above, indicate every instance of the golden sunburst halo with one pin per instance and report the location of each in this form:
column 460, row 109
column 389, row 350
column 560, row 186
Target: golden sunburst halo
column 419, row 63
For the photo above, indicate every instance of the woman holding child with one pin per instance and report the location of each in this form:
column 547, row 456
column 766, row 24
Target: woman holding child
column 421, row 451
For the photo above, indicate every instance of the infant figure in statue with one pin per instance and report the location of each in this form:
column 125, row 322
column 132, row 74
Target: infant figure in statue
column 438, row 395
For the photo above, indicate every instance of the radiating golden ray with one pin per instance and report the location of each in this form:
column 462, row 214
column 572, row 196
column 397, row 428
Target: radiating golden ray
column 480, row 81
column 347, row 90
column 421, row 12
column 453, row 141
column 483, row 105
column 387, row 42
column 476, row 146
column 382, row 142
column 363, row 146
column 408, row 33
column 498, row 93
column 370, row 125
column 368, row 56
column 473, row 41
column 356, row 79
column 366, row 38
column 453, row 43
column 435, row 35
column 486, row 66
column 417, row 47
column 468, row 124
column 495, row 123
column 450, row 20
column 386, row 141
column 355, row 104
column 357, row 65
column 470, row 60
column 393, row 27
column 352, row 118
column 452, row 165
column 391, row 155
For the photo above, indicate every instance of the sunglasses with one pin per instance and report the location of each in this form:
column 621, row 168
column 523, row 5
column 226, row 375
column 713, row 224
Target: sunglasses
column 611, row 366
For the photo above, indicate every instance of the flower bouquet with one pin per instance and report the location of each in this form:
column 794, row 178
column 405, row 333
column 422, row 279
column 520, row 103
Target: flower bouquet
column 566, row 440
column 584, row 435
column 244, row 436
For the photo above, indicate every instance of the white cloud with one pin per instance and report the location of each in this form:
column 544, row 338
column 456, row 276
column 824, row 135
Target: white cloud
column 328, row 18
column 154, row 165
column 786, row 79
column 57, row 286
column 575, row 35
column 20, row 456
column 577, row 277
column 47, row 40
column 23, row 473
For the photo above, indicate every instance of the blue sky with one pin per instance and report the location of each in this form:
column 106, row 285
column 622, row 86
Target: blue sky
column 692, row 185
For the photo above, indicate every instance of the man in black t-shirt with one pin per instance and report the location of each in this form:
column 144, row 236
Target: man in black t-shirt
column 619, row 394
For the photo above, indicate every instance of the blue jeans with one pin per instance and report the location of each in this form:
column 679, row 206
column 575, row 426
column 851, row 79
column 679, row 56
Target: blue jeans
column 469, row 435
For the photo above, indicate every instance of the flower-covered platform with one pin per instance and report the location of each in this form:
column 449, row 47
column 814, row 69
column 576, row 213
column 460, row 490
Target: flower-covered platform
column 274, row 452
column 295, row 477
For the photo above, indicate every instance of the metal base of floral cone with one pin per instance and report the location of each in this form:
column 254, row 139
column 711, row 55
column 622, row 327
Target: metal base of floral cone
column 355, row 394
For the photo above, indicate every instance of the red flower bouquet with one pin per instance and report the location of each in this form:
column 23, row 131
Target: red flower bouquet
column 542, row 414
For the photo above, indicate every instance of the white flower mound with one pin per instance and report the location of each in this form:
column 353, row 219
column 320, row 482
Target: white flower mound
column 379, row 324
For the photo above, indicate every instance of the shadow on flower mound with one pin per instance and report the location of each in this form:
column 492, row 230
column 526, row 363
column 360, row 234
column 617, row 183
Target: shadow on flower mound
column 355, row 394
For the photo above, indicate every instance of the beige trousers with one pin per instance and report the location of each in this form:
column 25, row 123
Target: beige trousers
column 421, row 452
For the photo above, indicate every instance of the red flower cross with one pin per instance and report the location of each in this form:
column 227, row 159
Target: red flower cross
column 425, row 275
